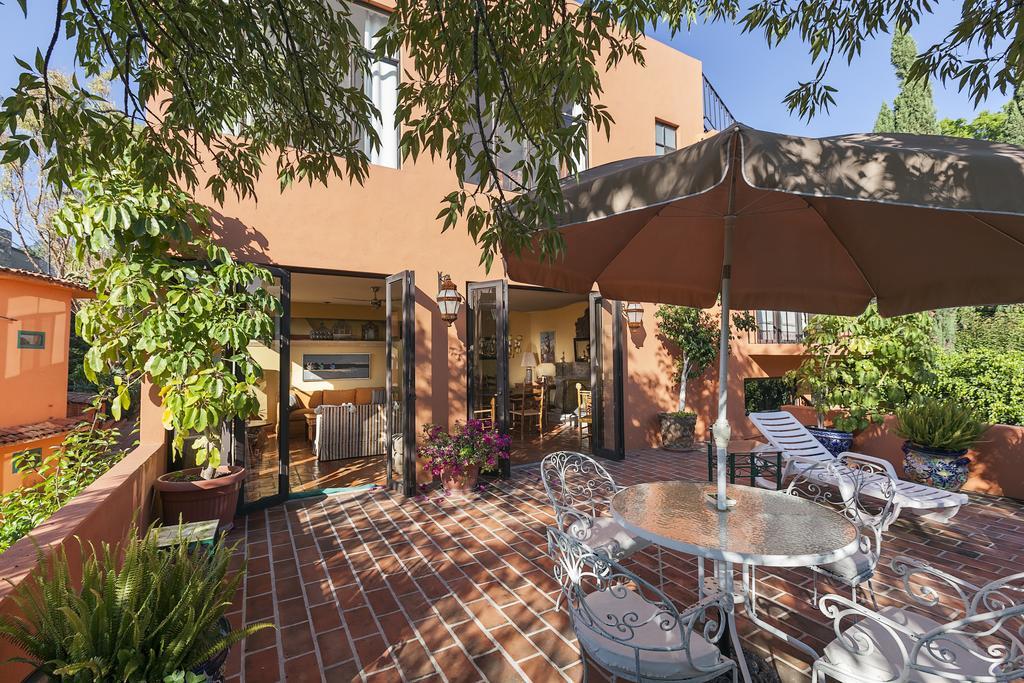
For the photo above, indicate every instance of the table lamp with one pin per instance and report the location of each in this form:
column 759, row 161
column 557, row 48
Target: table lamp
column 546, row 370
column 529, row 362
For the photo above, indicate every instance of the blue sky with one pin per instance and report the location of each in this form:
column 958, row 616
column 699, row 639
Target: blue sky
column 751, row 78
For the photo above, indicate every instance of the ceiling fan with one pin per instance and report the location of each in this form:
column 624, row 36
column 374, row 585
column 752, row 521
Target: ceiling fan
column 374, row 301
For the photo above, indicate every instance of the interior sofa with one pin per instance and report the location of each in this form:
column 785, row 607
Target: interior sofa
column 303, row 405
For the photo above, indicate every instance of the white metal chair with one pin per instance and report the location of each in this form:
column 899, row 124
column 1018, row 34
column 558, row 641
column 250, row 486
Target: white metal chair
column 580, row 489
column 841, row 484
column 632, row 629
column 979, row 639
column 785, row 433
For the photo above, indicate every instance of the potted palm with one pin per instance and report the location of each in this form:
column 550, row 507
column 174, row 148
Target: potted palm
column 457, row 457
column 938, row 435
column 165, row 606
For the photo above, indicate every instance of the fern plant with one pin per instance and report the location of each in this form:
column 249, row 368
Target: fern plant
column 149, row 617
column 939, row 425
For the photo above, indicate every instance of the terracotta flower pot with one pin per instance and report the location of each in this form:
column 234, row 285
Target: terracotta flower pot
column 677, row 431
column 200, row 500
column 460, row 483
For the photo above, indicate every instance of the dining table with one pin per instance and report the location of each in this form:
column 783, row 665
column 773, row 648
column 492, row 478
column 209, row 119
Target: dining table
column 762, row 528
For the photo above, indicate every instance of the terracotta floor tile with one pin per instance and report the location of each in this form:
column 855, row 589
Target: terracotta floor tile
column 539, row 669
column 555, row 648
column 456, row 665
column 497, row 668
column 334, row 647
column 413, row 659
column 343, row 672
column 296, row 640
column 513, row 643
column 304, row 669
column 262, row 667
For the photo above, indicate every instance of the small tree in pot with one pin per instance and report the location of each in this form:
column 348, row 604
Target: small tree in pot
column 938, row 435
column 457, row 457
column 695, row 334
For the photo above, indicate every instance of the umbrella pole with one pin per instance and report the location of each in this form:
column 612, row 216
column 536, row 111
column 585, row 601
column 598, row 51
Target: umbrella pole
column 721, row 430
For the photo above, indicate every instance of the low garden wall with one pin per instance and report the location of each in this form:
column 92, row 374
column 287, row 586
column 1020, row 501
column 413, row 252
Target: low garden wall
column 103, row 512
column 997, row 467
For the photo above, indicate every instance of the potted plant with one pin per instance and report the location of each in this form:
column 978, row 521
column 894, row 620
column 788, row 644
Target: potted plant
column 863, row 367
column 694, row 334
column 457, row 457
column 147, row 614
column 938, row 435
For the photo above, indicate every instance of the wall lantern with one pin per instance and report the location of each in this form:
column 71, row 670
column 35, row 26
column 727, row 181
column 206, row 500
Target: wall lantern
column 634, row 315
column 448, row 299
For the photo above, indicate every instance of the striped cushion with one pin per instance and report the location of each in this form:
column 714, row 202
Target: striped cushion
column 350, row 431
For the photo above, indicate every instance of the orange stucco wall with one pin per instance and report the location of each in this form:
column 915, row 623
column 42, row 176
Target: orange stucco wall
column 9, row 479
column 33, row 383
column 388, row 225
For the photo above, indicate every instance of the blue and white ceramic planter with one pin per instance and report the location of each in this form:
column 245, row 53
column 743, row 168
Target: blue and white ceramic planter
column 834, row 440
column 946, row 470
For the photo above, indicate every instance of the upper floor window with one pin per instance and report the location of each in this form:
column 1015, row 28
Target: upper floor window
column 780, row 327
column 571, row 114
column 664, row 138
column 381, row 86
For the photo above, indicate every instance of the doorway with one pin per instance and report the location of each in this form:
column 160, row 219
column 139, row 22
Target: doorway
column 336, row 397
column 546, row 366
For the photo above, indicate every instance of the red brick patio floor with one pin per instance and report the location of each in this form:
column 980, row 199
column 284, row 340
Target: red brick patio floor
column 373, row 587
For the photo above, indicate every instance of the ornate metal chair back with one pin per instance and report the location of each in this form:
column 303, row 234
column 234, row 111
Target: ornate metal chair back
column 576, row 481
column 611, row 607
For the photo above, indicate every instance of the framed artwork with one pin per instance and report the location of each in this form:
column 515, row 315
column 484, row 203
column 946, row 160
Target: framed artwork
column 335, row 366
column 547, row 347
column 581, row 349
column 31, row 340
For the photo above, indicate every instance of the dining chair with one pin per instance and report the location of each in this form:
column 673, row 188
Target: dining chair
column 584, row 412
column 530, row 407
column 841, row 484
column 632, row 629
column 487, row 415
column 972, row 634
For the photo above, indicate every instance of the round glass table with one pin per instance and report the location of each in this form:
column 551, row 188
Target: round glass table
column 767, row 528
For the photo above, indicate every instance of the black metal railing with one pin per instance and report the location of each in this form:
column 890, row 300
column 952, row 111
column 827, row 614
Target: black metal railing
column 716, row 115
column 778, row 327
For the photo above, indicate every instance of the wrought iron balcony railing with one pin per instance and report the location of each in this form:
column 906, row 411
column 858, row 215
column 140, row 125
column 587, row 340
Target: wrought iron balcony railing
column 716, row 114
column 778, row 327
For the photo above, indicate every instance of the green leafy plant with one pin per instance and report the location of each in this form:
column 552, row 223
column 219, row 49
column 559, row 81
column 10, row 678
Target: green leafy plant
column 171, row 305
column 866, row 366
column 989, row 381
column 939, row 425
column 59, row 475
column 695, row 334
column 155, row 614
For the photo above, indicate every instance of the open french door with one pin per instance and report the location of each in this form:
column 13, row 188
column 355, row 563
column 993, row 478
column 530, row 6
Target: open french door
column 400, row 382
column 487, row 341
column 606, row 378
column 260, row 444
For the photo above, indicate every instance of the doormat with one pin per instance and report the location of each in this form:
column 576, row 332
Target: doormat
column 334, row 491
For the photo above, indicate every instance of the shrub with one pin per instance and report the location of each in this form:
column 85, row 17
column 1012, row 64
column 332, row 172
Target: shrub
column 154, row 615
column 990, row 382
column 942, row 425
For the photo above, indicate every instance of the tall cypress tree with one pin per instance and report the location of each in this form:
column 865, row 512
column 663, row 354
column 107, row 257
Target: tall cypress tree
column 1013, row 130
column 914, row 107
column 885, row 123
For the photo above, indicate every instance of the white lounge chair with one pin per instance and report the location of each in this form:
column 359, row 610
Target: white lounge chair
column 801, row 450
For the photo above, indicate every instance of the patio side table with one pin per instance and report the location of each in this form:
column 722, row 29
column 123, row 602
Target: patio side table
column 767, row 528
column 749, row 465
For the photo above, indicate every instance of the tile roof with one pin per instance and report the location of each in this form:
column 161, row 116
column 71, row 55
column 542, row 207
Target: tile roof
column 82, row 290
column 38, row 430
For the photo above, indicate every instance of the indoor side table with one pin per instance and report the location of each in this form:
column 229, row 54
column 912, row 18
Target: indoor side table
column 767, row 528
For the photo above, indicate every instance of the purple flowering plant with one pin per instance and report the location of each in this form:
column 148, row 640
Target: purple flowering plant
column 469, row 443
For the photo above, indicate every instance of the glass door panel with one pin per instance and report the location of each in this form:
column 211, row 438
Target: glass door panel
column 400, row 382
column 260, row 442
column 487, row 367
column 606, row 350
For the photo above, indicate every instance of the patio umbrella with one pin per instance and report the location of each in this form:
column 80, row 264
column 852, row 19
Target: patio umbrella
column 818, row 225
